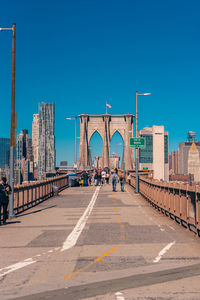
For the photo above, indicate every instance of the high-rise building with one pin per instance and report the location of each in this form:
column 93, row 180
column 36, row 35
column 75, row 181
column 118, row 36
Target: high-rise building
column 35, row 138
column 24, row 156
column 183, row 156
column 194, row 162
column 24, row 147
column 4, row 152
column 155, row 155
column 173, row 162
column 46, row 156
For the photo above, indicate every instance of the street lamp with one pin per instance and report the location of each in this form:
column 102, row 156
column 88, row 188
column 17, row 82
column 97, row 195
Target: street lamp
column 75, row 155
column 136, row 135
column 13, row 124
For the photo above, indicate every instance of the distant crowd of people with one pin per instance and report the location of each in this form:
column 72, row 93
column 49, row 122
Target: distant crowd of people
column 104, row 176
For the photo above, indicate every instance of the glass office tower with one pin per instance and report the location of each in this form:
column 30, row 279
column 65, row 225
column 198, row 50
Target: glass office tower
column 4, row 152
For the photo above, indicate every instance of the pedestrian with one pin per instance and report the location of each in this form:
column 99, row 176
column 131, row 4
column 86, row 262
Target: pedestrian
column 114, row 179
column 5, row 191
column 99, row 178
column 96, row 179
column 122, row 179
column 129, row 178
column 107, row 178
column 85, row 179
column 90, row 179
column 103, row 176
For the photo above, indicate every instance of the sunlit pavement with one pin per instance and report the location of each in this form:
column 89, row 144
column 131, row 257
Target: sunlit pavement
column 92, row 243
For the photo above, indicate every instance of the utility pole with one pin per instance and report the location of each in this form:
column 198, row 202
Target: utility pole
column 13, row 124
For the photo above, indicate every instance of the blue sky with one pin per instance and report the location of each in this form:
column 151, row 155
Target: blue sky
column 79, row 54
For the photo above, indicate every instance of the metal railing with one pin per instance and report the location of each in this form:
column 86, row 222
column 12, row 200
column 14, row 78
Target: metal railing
column 31, row 194
column 179, row 201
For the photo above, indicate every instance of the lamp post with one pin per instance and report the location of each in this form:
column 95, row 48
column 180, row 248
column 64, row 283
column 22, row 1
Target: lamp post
column 136, row 149
column 13, row 124
column 75, row 155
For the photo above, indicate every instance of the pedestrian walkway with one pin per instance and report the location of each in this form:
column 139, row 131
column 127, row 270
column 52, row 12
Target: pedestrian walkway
column 90, row 242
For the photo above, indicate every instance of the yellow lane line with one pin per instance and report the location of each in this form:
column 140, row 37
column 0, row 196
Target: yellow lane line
column 93, row 262
column 104, row 254
column 123, row 230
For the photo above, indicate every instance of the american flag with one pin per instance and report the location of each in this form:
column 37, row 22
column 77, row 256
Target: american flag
column 108, row 105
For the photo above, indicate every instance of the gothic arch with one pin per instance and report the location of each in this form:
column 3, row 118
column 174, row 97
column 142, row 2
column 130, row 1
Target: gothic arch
column 106, row 125
column 117, row 131
column 91, row 135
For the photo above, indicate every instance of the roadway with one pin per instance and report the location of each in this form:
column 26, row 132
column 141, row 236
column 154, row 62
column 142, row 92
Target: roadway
column 92, row 243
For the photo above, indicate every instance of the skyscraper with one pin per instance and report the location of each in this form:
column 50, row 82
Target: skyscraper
column 46, row 156
column 35, row 138
column 183, row 156
column 194, row 162
column 4, row 152
column 173, row 162
column 24, row 154
column 24, row 146
column 155, row 155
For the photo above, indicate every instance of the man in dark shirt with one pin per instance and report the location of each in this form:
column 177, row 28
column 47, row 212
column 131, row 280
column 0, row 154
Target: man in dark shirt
column 5, row 191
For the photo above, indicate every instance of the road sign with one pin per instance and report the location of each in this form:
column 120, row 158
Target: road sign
column 137, row 142
column 145, row 169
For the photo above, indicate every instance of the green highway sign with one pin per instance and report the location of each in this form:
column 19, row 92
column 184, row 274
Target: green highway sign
column 137, row 142
column 145, row 168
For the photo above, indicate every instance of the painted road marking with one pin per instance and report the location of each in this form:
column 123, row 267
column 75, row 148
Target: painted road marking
column 74, row 235
column 119, row 296
column 101, row 256
column 93, row 262
column 163, row 251
column 19, row 265
column 161, row 229
column 171, row 227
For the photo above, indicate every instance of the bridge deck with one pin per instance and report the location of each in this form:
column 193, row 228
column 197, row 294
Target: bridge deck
column 79, row 244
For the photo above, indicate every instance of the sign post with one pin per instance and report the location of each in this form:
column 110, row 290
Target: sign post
column 137, row 143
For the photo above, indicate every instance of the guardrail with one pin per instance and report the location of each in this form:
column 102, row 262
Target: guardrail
column 30, row 194
column 180, row 202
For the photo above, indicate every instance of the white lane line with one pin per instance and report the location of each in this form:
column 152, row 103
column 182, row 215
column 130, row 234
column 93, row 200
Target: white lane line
column 16, row 266
column 161, row 229
column 119, row 296
column 163, row 251
column 74, row 235
column 171, row 227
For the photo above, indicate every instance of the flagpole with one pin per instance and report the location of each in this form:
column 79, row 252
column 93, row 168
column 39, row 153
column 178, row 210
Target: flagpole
column 106, row 107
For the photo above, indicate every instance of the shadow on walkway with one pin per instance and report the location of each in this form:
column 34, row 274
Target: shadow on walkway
column 10, row 222
column 34, row 212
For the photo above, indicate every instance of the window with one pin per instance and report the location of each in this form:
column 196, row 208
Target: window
column 146, row 154
column 166, row 149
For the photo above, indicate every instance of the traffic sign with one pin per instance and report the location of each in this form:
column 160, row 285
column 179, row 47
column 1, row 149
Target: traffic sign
column 137, row 142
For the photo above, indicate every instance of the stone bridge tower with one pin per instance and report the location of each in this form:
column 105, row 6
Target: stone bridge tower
column 106, row 125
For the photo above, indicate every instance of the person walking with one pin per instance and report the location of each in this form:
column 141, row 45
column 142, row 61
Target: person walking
column 107, row 178
column 99, row 178
column 103, row 176
column 114, row 180
column 5, row 191
column 129, row 178
column 122, row 179
column 96, row 179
